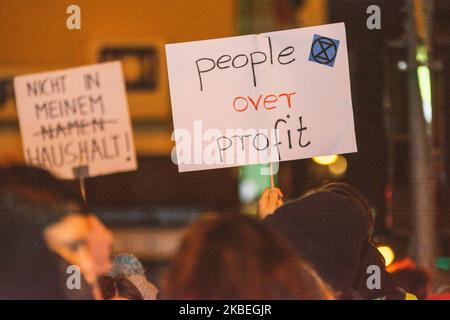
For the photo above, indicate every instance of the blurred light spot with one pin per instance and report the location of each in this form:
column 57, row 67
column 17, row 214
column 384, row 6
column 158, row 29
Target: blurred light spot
column 425, row 92
column 402, row 65
column 421, row 54
column 443, row 263
column 248, row 190
column 325, row 160
column 339, row 167
column 387, row 253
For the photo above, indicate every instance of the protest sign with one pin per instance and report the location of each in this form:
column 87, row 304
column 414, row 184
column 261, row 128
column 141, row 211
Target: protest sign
column 261, row 98
column 75, row 122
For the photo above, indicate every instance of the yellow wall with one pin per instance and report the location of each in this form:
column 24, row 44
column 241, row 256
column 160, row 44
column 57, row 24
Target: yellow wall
column 34, row 31
column 34, row 37
column 313, row 13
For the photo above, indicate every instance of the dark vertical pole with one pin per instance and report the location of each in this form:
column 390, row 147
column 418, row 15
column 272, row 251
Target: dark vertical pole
column 423, row 185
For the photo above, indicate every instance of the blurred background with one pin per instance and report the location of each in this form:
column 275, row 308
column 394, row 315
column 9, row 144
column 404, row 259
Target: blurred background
column 403, row 160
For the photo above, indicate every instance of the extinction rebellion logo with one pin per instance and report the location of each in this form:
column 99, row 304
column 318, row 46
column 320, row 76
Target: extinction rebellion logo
column 324, row 50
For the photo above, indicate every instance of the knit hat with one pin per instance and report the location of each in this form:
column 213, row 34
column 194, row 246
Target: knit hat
column 329, row 231
column 128, row 266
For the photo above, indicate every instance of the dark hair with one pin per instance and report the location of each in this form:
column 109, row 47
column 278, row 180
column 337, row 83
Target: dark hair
column 232, row 256
column 118, row 287
column 36, row 195
column 30, row 200
column 28, row 270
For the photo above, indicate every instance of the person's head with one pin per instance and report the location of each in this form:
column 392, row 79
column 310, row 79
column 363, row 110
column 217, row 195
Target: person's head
column 57, row 209
column 369, row 256
column 329, row 230
column 118, row 288
column 414, row 280
column 232, row 256
column 353, row 194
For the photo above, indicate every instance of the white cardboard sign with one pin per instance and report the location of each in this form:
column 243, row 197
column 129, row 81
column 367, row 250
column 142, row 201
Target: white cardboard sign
column 285, row 93
column 75, row 122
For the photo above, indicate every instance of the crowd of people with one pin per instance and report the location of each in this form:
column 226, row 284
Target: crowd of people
column 316, row 247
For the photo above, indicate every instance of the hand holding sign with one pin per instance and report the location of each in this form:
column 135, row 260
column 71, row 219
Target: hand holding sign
column 270, row 200
column 261, row 98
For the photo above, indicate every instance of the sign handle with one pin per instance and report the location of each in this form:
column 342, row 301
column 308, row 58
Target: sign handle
column 97, row 293
column 83, row 189
column 272, row 183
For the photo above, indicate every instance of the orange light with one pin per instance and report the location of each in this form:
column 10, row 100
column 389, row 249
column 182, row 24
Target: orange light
column 339, row 167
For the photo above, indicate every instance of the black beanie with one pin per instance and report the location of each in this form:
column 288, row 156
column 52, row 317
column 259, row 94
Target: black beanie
column 329, row 231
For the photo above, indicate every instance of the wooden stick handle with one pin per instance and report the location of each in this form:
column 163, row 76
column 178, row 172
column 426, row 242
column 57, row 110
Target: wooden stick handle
column 272, row 183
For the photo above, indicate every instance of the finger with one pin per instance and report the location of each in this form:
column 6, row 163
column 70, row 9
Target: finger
column 266, row 193
column 279, row 203
column 264, row 196
column 273, row 196
column 279, row 193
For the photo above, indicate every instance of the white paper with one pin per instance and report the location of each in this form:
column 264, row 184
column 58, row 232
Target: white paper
column 203, row 99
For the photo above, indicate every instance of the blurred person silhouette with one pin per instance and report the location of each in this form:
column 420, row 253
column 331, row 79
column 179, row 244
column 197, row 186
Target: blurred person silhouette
column 332, row 227
column 328, row 230
column 130, row 268
column 413, row 279
column 28, row 269
column 370, row 256
column 235, row 257
column 78, row 237
column 118, row 288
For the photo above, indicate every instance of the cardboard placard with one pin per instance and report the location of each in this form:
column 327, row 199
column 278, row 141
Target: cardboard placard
column 75, row 122
column 261, row 98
